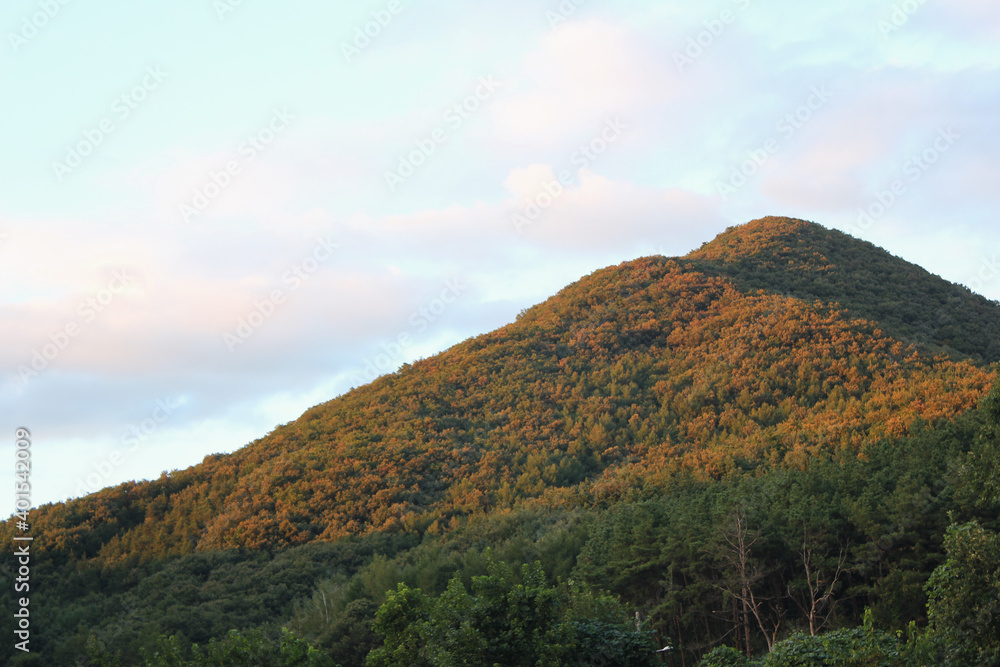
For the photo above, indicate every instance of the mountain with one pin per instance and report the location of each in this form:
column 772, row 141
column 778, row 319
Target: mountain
column 778, row 343
column 760, row 446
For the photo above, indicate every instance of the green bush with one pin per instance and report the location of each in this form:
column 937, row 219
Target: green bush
column 724, row 656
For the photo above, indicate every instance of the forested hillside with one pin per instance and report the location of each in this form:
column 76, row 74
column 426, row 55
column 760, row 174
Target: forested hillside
column 632, row 373
column 786, row 415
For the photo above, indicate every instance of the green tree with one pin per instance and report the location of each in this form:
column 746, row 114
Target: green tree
column 964, row 596
column 250, row 647
column 507, row 619
column 724, row 656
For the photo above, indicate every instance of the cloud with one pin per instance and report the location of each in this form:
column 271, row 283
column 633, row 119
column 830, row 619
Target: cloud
column 581, row 73
column 603, row 216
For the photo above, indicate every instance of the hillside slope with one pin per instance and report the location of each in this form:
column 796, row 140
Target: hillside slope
column 730, row 358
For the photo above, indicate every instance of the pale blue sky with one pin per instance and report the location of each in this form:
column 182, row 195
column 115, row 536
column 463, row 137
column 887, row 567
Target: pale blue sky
column 833, row 101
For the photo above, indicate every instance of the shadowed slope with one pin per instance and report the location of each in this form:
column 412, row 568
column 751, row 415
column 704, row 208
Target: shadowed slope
column 807, row 261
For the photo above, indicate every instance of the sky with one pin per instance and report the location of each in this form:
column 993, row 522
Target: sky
column 215, row 214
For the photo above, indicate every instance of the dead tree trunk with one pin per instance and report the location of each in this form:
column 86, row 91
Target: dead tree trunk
column 740, row 541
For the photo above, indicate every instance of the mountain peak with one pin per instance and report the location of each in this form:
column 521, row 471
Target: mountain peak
column 778, row 242
column 807, row 261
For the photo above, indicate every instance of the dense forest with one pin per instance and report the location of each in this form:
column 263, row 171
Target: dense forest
column 779, row 449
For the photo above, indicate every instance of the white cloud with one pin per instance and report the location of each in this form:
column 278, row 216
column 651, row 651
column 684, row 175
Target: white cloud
column 581, row 73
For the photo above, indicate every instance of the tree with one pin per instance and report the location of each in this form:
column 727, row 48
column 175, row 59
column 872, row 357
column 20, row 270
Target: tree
column 506, row 620
column 250, row 647
column 964, row 596
column 822, row 575
column 740, row 541
column 724, row 656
